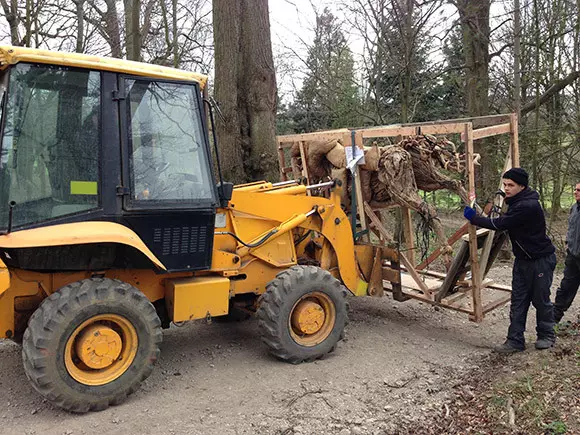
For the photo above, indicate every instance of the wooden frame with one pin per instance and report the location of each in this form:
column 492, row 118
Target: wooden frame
column 471, row 296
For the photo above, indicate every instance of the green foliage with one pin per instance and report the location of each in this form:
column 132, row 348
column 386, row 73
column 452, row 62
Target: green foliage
column 556, row 428
column 329, row 97
column 445, row 97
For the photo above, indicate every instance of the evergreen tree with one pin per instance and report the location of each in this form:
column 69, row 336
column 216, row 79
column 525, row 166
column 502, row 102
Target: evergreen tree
column 329, row 96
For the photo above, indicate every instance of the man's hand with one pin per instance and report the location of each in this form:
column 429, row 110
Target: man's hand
column 469, row 213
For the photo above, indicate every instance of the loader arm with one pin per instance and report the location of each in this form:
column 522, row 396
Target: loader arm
column 329, row 220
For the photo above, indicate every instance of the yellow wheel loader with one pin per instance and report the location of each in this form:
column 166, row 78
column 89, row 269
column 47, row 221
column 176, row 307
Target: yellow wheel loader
column 113, row 225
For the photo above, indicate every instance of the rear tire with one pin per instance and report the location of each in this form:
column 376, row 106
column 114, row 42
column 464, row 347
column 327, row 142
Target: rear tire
column 60, row 344
column 302, row 314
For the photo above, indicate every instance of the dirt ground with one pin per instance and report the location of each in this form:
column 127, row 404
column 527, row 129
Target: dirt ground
column 398, row 365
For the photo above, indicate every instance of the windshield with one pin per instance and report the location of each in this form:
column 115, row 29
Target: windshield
column 50, row 143
column 169, row 165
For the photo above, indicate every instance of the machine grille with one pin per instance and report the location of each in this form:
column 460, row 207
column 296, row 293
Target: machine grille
column 180, row 240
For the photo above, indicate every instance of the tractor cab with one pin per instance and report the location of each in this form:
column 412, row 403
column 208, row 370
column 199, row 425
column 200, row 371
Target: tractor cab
column 84, row 141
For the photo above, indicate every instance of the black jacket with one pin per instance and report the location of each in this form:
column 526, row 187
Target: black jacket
column 525, row 223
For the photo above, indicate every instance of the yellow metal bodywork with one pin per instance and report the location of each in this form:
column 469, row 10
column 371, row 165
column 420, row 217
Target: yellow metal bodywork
column 78, row 233
column 235, row 269
column 4, row 278
column 10, row 55
column 260, row 209
column 197, row 297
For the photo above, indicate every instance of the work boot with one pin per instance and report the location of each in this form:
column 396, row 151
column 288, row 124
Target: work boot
column 544, row 343
column 507, row 348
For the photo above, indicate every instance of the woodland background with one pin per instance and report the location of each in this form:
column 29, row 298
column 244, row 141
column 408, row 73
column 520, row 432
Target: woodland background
column 369, row 62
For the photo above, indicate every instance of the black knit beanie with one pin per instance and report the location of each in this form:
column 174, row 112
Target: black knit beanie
column 518, row 175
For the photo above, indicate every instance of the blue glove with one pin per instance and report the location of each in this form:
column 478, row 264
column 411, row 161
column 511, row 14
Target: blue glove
column 469, row 213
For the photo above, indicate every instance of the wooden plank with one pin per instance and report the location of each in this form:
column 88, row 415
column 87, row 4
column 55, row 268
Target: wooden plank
column 505, row 288
column 320, row 135
column 454, row 238
column 297, row 173
column 421, row 297
column 457, row 308
column 408, row 231
column 432, row 273
column 448, row 128
column 460, row 294
column 391, row 275
column 388, row 131
column 455, row 271
column 514, row 140
column 493, row 130
column 487, row 245
column 469, row 283
column 389, row 253
column 358, row 187
column 375, row 287
column 304, row 163
column 477, row 121
column 476, row 276
column 375, row 220
column 431, row 283
column 496, row 304
column 480, row 232
column 282, row 164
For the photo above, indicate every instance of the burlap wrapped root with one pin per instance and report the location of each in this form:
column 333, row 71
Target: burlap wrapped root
column 319, row 167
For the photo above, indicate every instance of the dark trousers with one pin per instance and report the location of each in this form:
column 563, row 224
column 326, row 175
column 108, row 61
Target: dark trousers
column 568, row 287
column 531, row 282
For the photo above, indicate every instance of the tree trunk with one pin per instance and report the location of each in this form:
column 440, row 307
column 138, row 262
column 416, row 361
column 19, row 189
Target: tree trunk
column 245, row 89
column 132, row 29
column 517, row 55
column 112, row 29
column 474, row 17
column 11, row 14
column 80, row 5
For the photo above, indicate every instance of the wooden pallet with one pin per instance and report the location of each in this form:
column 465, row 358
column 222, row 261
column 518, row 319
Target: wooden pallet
column 475, row 297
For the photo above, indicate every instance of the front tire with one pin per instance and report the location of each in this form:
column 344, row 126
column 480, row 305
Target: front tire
column 91, row 344
column 302, row 314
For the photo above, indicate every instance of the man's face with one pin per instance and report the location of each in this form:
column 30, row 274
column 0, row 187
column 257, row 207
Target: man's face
column 577, row 192
column 511, row 188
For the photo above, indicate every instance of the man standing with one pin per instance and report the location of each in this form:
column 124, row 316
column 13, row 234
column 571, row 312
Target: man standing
column 569, row 286
column 535, row 260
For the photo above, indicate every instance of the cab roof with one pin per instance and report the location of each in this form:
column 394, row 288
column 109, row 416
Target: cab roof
column 10, row 55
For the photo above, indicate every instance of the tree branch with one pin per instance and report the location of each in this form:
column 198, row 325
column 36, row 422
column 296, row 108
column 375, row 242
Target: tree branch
column 552, row 90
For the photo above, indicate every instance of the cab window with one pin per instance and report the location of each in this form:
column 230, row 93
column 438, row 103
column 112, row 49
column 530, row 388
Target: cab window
column 49, row 153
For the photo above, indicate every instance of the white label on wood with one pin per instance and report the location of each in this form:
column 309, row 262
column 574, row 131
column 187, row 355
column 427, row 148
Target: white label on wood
column 359, row 157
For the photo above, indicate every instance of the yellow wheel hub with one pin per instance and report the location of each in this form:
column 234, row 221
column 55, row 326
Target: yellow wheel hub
column 312, row 319
column 98, row 346
column 308, row 317
column 101, row 349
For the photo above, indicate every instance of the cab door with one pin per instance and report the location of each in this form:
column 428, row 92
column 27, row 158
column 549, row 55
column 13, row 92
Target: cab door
column 168, row 189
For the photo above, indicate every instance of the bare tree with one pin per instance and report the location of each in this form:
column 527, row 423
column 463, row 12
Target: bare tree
column 245, row 89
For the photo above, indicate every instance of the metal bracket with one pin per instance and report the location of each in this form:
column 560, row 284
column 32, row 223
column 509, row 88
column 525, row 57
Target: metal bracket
column 122, row 191
column 118, row 95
